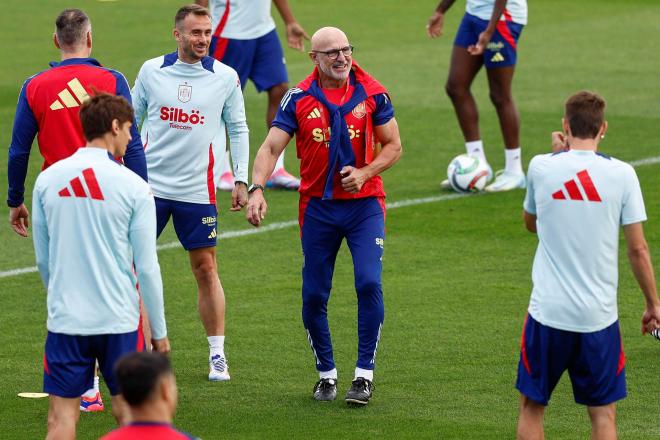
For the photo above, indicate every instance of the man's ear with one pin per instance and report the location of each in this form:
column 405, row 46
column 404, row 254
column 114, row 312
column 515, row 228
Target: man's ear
column 55, row 42
column 89, row 39
column 116, row 127
column 314, row 57
column 603, row 129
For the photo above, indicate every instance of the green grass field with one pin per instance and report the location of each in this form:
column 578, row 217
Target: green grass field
column 457, row 270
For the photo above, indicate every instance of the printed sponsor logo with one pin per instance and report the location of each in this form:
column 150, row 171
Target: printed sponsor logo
column 380, row 242
column 179, row 115
column 93, row 188
column 70, row 97
column 573, row 189
column 495, row 46
column 323, row 134
column 208, row 220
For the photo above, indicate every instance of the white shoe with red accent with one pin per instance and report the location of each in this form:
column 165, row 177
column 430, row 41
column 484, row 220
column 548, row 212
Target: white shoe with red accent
column 282, row 179
column 226, row 181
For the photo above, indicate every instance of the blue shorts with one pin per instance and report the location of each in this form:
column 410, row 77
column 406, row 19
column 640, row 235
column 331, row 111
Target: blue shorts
column 70, row 361
column 595, row 363
column 260, row 59
column 194, row 223
column 501, row 51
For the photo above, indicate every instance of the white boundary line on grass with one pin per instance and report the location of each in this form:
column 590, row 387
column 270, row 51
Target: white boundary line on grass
column 288, row 224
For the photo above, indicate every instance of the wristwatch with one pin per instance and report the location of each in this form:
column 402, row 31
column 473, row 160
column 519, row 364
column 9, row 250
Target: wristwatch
column 254, row 187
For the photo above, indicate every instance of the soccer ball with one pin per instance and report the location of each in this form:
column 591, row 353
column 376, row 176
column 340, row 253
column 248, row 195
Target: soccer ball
column 467, row 173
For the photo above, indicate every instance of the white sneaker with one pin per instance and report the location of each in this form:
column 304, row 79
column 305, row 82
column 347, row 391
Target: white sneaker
column 226, row 181
column 281, row 179
column 218, row 368
column 505, row 181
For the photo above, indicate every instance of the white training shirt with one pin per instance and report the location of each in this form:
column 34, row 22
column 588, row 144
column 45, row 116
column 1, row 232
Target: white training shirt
column 184, row 110
column 516, row 9
column 241, row 19
column 92, row 219
column 580, row 198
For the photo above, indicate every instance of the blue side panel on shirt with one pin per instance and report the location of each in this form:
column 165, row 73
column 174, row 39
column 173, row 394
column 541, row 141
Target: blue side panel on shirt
column 134, row 158
column 23, row 134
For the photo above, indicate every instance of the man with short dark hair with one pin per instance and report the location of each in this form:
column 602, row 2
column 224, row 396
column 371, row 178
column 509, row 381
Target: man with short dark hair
column 148, row 387
column 94, row 240
column 341, row 195
column 577, row 199
column 188, row 103
column 48, row 106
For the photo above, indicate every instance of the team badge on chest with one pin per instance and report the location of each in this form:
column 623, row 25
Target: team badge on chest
column 360, row 110
column 185, row 92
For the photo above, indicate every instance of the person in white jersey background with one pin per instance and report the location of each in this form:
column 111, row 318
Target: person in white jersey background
column 487, row 36
column 244, row 37
column 577, row 199
column 94, row 221
column 187, row 103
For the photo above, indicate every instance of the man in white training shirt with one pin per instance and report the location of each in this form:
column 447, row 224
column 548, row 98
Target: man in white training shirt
column 94, row 223
column 577, row 198
column 185, row 101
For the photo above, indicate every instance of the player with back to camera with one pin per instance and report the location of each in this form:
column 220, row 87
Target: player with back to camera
column 577, row 199
column 244, row 38
column 338, row 115
column 487, row 36
column 94, row 240
column 48, row 108
column 187, row 103
column 147, row 384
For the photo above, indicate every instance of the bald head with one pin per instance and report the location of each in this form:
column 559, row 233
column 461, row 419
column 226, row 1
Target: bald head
column 328, row 38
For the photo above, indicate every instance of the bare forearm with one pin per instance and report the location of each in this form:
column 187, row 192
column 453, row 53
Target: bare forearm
column 285, row 11
column 498, row 10
column 640, row 262
column 389, row 155
column 264, row 164
column 444, row 5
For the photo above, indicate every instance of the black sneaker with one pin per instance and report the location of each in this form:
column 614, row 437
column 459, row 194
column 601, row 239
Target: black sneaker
column 325, row 389
column 360, row 391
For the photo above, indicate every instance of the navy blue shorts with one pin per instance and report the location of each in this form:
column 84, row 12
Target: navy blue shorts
column 70, row 361
column 260, row 59
column 194, row 223
column 595, row 363
column 501, row 51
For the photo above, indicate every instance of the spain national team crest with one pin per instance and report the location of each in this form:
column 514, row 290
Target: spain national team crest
column 360, row 110
column 185, row 92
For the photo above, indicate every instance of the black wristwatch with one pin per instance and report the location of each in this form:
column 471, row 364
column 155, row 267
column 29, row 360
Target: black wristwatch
column 254, row 187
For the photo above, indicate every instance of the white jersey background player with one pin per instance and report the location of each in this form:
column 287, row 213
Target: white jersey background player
column 577, row 200
column 244, row 38
column 188, row 103
column 94, row 239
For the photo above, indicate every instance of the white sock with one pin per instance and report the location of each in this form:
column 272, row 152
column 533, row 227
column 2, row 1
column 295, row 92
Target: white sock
column 476, row 148
column 332, row 374
column 367, row 374
column 216, row 345
column 280, row 162
column 92, row 391
column 513, row 161
column 225, row 164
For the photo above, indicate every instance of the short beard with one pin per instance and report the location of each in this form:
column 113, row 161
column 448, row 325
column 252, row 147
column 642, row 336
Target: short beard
column 330, row 73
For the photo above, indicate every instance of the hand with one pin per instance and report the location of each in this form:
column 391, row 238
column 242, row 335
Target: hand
column 559, row 142
column 239, row 196
column 161, row 345
column 256, row 208
column 651, row 318
column 18, row 219
column 352, row 179
column 296, row 36
column 479, row 47
column 435, row 24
